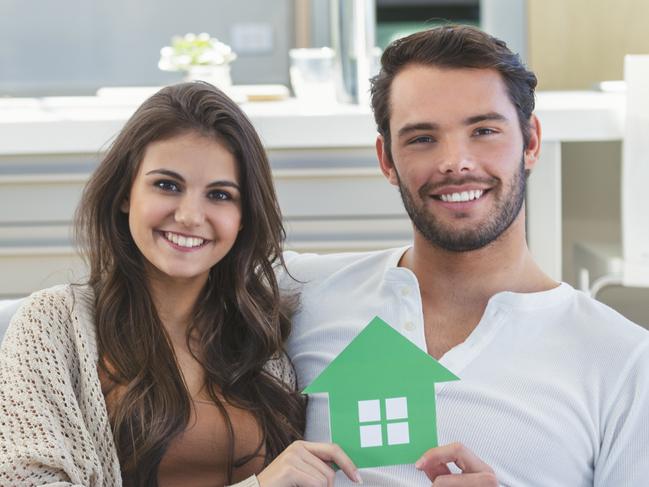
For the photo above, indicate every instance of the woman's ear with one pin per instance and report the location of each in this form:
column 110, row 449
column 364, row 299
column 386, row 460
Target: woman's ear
column 125, row 206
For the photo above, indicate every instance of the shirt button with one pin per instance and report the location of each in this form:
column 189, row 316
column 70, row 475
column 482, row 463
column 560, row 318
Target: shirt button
column 409, row 326
column 405, row 291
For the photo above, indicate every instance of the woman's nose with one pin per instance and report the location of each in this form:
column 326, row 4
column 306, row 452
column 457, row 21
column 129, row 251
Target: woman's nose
column 190, row 212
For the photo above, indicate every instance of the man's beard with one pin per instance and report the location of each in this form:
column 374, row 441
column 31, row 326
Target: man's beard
column 507, row 208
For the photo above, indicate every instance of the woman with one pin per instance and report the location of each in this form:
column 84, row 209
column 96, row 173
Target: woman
column 167, row 367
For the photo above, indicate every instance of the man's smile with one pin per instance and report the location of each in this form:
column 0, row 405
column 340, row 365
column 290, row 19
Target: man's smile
column 459, row 197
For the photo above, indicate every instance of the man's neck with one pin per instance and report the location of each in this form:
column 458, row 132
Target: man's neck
column 456, row 286
column 471, row 278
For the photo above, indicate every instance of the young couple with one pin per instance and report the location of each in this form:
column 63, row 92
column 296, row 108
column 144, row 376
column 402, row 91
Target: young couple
column 170, row 366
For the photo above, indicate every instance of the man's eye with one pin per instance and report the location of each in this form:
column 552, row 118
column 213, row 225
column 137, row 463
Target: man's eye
column 166, row 185
column 422, row 139
column 219, row 195
column 484, row 131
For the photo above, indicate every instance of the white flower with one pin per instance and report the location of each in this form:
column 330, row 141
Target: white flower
column 191, row 50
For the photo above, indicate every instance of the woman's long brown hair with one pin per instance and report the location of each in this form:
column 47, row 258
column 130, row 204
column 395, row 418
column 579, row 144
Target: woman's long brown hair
column 238, row 321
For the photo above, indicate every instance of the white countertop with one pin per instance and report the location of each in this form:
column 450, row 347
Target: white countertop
column 86, row 124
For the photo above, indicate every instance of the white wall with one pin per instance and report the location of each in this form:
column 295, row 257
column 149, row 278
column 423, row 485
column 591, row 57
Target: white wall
column 76, row 46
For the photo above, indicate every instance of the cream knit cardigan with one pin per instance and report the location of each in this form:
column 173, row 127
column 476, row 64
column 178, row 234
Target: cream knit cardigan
column 54, row 427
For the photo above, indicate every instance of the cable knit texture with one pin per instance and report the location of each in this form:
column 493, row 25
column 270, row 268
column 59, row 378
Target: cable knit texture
column 54, row 427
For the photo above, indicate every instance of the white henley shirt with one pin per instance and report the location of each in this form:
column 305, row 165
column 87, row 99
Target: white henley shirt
column 554, row 387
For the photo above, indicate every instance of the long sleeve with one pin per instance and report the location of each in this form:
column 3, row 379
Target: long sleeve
column 249, row 482
column 53, row 428
column 282, row 369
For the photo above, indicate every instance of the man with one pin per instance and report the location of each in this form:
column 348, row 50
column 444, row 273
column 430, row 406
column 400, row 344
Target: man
column 554, row 387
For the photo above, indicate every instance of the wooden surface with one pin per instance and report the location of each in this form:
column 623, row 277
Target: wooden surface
column 574, row 44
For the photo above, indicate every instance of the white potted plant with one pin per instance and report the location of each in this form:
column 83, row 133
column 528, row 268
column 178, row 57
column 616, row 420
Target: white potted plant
column 201, row 57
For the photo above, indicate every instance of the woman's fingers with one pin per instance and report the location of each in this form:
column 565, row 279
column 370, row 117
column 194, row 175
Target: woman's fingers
column 315, row 472
column 319, row 467
column 305, row 464
column 290, row 469
column 330, row 452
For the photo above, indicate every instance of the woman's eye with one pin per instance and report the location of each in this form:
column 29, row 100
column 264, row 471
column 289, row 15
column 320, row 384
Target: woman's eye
column 219, row 195
column 166, row 185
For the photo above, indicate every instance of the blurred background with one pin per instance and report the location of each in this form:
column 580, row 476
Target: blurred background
column 54, row 53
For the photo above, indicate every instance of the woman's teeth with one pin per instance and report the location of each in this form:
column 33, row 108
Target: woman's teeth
column 183, row 241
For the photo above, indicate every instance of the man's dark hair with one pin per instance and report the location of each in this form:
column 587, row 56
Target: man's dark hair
column 453, row 46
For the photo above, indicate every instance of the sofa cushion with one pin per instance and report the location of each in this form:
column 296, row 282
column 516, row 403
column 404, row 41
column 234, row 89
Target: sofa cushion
column 7, row 309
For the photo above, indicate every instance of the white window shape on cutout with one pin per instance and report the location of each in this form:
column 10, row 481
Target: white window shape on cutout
column 371, row 435
column 398, row 433
column 369, row 411
column 396, row 408
column 396, row 429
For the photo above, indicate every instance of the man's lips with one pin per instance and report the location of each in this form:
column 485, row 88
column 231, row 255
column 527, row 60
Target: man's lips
column 450, row 187
column 460, row 196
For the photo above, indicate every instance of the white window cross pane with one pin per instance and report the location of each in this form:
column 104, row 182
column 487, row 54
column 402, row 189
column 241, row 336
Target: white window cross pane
column 369, row 411
column 396, row 408
column 371, row 435
column 398, row 433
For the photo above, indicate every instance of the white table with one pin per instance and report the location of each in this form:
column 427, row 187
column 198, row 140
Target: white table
column 74, row 125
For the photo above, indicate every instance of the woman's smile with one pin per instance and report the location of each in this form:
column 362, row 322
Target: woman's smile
column 182, row 242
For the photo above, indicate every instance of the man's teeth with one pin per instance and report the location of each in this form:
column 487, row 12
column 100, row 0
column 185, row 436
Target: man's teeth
column 183, row 241
column 463, row 196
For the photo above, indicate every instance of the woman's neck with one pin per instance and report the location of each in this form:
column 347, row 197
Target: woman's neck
column 175, row 301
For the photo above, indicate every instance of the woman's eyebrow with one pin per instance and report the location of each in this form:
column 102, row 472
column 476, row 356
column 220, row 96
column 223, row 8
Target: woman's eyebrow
column 167, row 172
column 224, row 182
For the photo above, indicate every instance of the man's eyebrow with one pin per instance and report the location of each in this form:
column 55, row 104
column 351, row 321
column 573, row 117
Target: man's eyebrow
column 494, row 116
column 175, row 175
column 413, row 127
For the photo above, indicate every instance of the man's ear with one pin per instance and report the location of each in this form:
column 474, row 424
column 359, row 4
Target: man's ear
column 531, row 154
column 385, row 161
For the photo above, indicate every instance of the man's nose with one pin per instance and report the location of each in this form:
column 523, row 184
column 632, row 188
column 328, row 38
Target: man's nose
column 456, row 158
column 190, row 211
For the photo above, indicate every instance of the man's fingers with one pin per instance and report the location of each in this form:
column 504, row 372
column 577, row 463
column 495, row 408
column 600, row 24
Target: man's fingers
column 434, row 470
column 482, row 479
column 333, row 453
column 431, row 461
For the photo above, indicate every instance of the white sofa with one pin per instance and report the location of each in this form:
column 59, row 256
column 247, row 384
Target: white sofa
column 7, row 309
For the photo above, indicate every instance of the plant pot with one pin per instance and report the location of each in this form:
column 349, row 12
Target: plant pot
column 218, row 76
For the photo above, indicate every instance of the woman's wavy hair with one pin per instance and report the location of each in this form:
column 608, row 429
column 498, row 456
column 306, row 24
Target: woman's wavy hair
column 239, row 320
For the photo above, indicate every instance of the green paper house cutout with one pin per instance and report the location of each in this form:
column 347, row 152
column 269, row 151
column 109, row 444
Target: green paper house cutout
column 382, row 397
